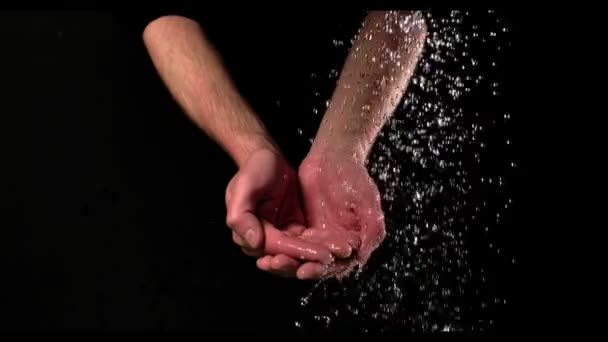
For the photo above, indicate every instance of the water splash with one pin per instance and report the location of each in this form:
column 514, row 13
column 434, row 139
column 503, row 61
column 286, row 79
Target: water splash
column 441, row 199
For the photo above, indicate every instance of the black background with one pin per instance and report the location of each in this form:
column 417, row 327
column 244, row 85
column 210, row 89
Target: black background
column 113, row 213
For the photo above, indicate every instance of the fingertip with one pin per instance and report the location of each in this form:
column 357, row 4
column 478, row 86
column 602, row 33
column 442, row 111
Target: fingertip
column 283, row 263
column 264, row 263
column 247, row 225
column 278, row 243
column 253, row 236
column 341, row 249
column 236, row 238
column 294, row 229
column 311, row 271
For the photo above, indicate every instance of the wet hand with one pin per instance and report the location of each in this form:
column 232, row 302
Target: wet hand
column 343, row 210
column 261, row 198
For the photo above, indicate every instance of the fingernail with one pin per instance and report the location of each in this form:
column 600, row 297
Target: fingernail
column 250, row 237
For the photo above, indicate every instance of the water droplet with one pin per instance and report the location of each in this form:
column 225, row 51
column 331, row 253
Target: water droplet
column 420, row 164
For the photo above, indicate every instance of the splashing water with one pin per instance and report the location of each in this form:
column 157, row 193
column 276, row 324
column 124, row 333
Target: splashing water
column 442, row 197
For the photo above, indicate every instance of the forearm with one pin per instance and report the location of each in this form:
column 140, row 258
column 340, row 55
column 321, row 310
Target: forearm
column 373, row 80
column 195, row 76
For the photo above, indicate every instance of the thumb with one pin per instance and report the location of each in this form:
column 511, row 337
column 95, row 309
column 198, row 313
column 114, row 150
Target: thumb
column 243, row 222
column 247, row 226
column 240, row 213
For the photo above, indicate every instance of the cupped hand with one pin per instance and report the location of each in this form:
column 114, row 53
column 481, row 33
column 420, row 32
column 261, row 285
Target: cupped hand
column 264, row 213
column 343, row 211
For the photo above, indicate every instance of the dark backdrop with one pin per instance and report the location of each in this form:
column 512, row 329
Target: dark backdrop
column 115, row 199
column 113, row 213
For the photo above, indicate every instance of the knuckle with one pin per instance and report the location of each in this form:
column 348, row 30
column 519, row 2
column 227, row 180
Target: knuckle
column 232, row 220
column 306, row 175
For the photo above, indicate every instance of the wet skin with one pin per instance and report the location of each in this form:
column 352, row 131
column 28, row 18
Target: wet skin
column 337, row 226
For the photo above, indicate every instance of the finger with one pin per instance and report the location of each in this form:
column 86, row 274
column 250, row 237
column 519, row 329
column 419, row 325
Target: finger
column 244, row 246
column 252, row 252
column 338, row 247
column 239, row 240
column 284, row 265
column 294, row 229
column 311, row 271
column 246, row 225
column 278, row 243
column 264, row 263
column 338, row 243
column 315, row 271
column 283, row 262
column 241, row 203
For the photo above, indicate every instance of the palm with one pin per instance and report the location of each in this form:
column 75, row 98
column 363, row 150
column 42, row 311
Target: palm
column 264, row 194
column 343, row 216
column 342, row 205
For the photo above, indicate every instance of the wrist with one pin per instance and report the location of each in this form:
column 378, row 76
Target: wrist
column 341, row 145
column 330, row 151
column 243, row 146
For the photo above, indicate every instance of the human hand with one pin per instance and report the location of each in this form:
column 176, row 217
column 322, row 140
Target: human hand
column 341, row 201
column 343, row 210
column 263, row 211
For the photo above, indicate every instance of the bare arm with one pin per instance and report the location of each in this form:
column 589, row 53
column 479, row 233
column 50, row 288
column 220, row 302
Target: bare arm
column 195, row 76
column 374, row 77
column 262, row 196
